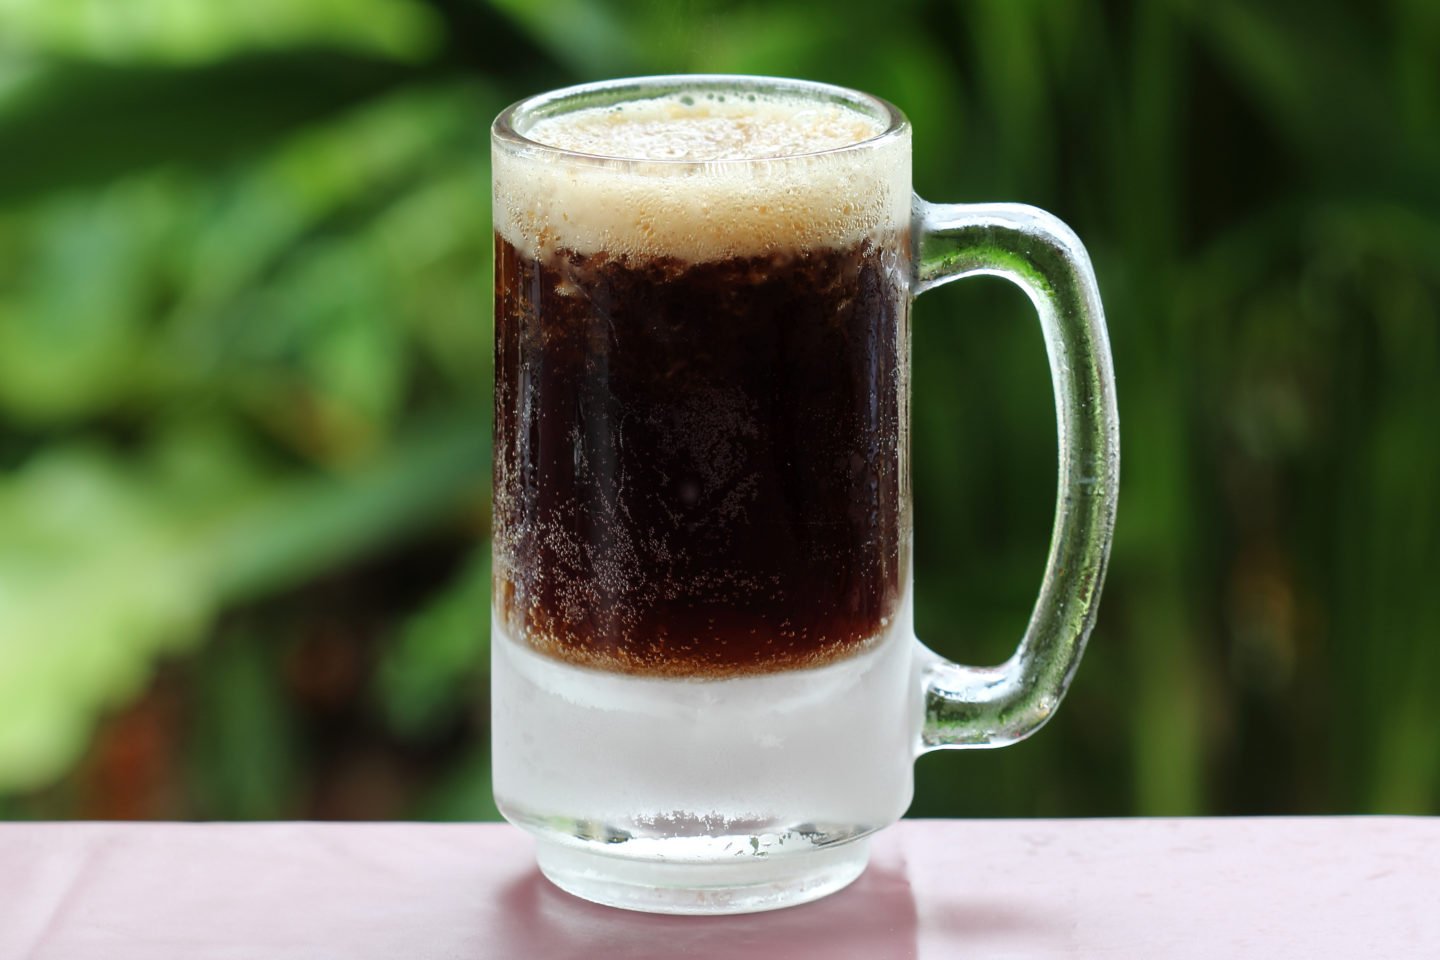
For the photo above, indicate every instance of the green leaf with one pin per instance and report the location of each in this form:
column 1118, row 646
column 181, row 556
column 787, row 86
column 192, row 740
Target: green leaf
column 75, row 124
column 95, row 583
column 1324, row 81
column 190, row 31
column 430, row 674
column 589, row 38
column 243, row 739
column 104, row 567
column 288, row 283
column 465, row 793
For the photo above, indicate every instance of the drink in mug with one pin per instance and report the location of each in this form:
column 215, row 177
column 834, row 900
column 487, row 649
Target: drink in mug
column 706, row 692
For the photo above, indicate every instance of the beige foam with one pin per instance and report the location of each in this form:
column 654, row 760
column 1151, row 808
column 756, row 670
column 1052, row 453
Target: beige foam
column 702, row 128
column 789, row 193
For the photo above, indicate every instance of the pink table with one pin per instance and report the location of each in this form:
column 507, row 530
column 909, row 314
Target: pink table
column 935, row 889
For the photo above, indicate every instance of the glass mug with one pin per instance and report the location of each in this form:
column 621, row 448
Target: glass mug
column 706, row 691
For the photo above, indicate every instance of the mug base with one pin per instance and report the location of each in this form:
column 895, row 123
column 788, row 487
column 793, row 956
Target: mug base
column 750, row 885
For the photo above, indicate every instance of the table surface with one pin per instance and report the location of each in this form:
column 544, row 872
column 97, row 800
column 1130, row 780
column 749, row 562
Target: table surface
column 1274, row 888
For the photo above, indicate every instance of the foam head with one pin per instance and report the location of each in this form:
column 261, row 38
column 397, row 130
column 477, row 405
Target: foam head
column 702, row 176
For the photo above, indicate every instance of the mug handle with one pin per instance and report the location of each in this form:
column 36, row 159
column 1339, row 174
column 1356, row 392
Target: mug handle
column 995, row 706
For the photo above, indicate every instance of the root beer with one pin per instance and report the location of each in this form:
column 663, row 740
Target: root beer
column 698, row 440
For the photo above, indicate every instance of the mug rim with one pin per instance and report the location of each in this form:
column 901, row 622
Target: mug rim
column 508, row 129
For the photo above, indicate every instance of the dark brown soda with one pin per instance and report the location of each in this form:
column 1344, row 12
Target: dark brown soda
column 698, row 465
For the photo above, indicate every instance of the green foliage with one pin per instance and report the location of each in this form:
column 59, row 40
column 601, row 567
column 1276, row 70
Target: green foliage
column 244, row 269
column 439, row 659
column 186, row 31
column 245, row 759
column 106, row 566
column 97, row 581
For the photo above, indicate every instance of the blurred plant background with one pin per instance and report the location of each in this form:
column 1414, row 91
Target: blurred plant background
column 245, row 376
